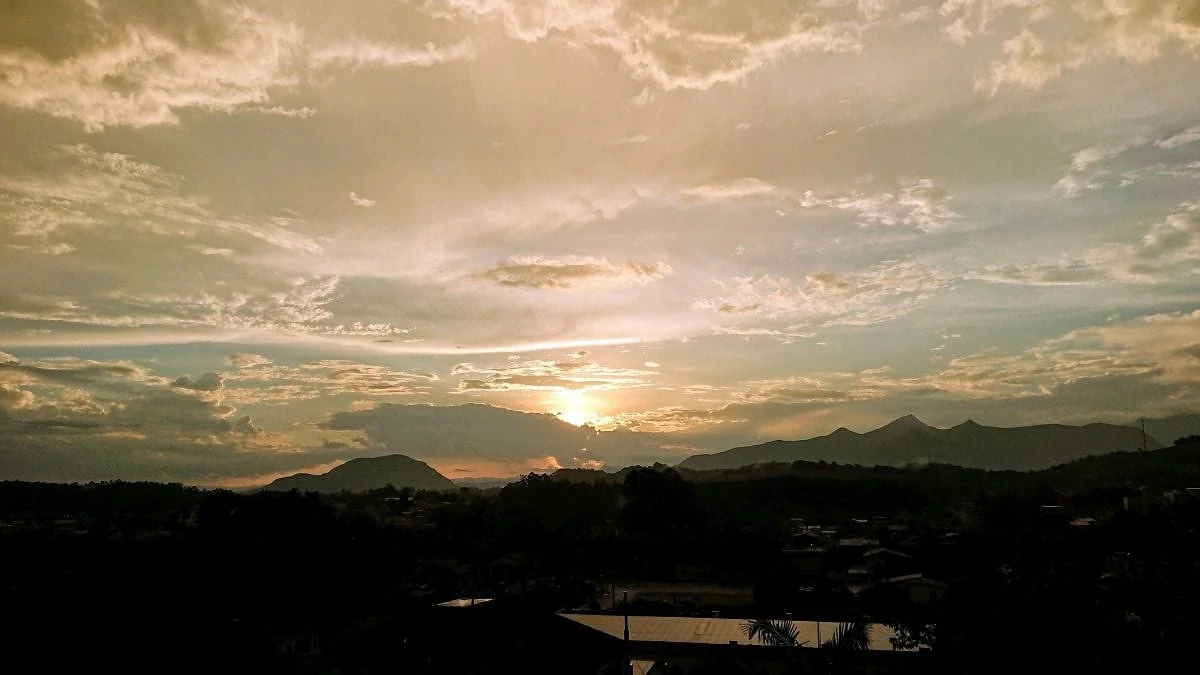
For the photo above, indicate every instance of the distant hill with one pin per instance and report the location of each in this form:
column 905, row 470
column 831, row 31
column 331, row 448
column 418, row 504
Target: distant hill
column 482, row 431
column 908, row 440
column 367, row 473
column 1170, row 429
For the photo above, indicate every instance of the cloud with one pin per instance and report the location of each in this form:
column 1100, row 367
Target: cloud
column 742, row 187
column 206, row 382
column 378, row 329
column 79, row 189
column 361, row 201
column 364, row 53
column 139, row 62
column 210, row 250
column 1148, row 346
column 73, row 372
column 291, row 305
column 922, row 205
column 1090, row 166
column 971, row 18
column 479, row 435
column 1079, row 177
column 572, row 272
column 669, row 420
column 1169, row 251
column 673, row 45
column 73, row 419
column 800, row 390
column 573, row 375
column 12, row 398
column 547, row 210
column 1134, row 31
column 258, row 380
column 247, row 360
column 1185, row 137
column 882, row 293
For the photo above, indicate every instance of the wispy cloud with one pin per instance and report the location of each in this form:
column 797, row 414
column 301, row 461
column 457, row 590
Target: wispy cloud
column 294, row 305
column 1185, row 137
column 1153, row 346
column 76, row 419
column 572, row 272
column 923, row 205
column 1168, row 251
column 673, row 46
column 258, row 380
column 364, row 53
column 360, row 201
column 139, row 63
column 801, row 389
column 742, row 187
column 1134, row 31
column 884, row 292
column 572, row 375
column 89, row 190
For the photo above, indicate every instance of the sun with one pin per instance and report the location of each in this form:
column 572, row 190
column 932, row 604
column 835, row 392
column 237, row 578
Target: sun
column 573, row 407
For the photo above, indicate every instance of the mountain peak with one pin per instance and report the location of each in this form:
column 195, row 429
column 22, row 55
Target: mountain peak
column 908, row 440
column 906, row 422
column 368, row 473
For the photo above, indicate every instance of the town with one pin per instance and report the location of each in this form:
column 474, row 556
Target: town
column 653, row 568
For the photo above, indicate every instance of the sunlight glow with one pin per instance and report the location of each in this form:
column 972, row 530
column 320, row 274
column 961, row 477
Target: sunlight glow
column 573, row 407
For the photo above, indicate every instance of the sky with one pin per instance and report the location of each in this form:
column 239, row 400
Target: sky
column 244, row 239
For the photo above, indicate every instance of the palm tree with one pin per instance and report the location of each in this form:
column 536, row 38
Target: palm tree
column 773, row 632
column 851, row 636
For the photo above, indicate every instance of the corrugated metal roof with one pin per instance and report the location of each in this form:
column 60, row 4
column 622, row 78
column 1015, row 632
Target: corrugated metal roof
column 464, row 602
column 642, row 667
column 701, row 630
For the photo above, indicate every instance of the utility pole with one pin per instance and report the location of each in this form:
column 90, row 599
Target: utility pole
column 625, row 602
column 1142, row 420
column 628, row 669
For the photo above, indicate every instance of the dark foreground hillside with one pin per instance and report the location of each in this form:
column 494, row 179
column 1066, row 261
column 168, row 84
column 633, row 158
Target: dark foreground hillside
column 1085, row 567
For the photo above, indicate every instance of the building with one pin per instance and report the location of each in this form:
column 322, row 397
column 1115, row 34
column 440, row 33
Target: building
column 680, row 645
column 920, row 590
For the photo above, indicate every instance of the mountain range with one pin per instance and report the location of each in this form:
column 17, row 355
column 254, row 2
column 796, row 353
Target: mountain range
column 367, row 473
column 908, row 440
column 477, row 430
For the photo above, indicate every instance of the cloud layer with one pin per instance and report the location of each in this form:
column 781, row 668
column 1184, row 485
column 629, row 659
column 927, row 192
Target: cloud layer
column 245, row 238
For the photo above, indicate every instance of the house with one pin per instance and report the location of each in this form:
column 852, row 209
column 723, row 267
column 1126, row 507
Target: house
column 920, row 590
column 861, row 544
column 688, row 597
column 669, row 644
column 806, row 539
column 807, row 562
column 883, row 563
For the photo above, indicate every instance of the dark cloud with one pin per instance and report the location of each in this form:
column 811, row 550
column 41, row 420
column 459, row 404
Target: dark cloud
column 137, row 62
column 572, row 272
column 62, row 29
column 485, row 432
column 206, row 382
column 77, row 420
column 575, row 374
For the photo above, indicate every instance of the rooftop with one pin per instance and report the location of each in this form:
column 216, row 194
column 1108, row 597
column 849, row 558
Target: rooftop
column 916, row 579
column 711, row 631
column 464, row 602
